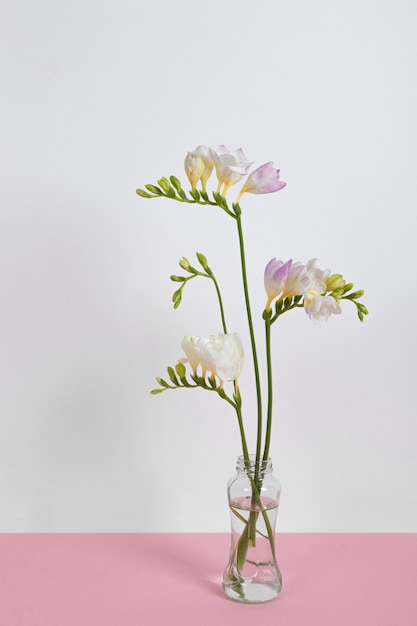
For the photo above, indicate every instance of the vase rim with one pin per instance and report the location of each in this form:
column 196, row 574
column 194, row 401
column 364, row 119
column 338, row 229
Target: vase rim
column 263, row 464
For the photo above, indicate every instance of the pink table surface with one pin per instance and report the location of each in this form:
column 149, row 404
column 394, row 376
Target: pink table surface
column 174, row 579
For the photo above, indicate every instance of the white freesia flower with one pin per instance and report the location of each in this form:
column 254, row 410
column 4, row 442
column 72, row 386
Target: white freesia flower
column 319, row 308
column 221, row 355
column 191, row 347
column 313, row 285
column 231, row 167
column 194, row 168
column 205, row 154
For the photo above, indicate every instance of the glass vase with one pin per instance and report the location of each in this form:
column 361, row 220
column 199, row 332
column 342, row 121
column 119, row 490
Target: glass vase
column 252, row 574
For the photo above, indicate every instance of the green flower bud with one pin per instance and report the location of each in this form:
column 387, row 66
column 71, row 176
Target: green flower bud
column 184, row 263
column 142, row 193
column 357, row 294
column 172, row 376
column 335, row 281
column 175, row 183
column 164, row 184
column 180, row 369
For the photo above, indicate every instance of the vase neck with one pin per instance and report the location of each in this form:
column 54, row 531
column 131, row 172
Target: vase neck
column 252, row 466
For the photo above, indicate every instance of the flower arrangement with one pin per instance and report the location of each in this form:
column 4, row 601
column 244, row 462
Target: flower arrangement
column 217, row 359
column 214, row 363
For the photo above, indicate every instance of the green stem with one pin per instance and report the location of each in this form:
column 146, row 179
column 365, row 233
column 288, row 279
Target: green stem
column 246, row 536
column 252, row 338
column 221, row 305
column 270, row 387
column 242, row 433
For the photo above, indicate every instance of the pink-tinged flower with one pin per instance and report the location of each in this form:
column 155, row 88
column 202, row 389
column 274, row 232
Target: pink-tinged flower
column 194, row 168
column 275, row 277
column 231, row 166
column 303, row 280
column 221, row 354
column 292, row 285
column 265, row 179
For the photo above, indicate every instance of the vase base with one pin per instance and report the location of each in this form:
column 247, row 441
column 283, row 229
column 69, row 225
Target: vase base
column 251, row 593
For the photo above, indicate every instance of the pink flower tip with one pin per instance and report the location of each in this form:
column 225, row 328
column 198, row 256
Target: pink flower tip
column 265, row 179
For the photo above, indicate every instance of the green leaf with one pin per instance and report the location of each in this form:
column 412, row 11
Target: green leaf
column 153, row 392
column 162, row 382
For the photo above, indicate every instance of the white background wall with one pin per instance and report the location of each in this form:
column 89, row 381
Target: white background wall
column 98, row 98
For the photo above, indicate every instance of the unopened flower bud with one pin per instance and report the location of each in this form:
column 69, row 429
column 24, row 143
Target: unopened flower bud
column 335, row 281
column 194, row 168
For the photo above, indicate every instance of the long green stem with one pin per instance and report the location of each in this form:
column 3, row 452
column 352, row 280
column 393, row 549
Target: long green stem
column 270, row 387
column 242, row 433
column 252, row 337
column 221, row 305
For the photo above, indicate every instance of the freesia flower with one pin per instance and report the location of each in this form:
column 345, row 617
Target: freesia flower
column 314, row 278
column 319, row 307
column 205, row 153
column 265, row 179
column 194, row 168
column 192, row 348
column 275, row 277
column 231, row 166
column 292, row 285
column 221, row 354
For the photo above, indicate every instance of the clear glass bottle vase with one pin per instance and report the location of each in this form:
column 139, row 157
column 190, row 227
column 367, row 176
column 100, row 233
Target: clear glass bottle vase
column 252, row 574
